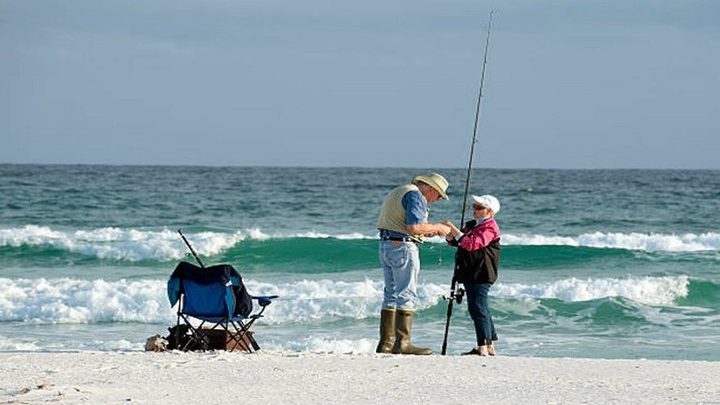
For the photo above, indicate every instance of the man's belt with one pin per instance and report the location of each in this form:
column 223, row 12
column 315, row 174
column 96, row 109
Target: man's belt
column 397, row 239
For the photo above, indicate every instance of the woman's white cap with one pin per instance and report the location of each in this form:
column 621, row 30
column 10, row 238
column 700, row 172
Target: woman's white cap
column 487, row 201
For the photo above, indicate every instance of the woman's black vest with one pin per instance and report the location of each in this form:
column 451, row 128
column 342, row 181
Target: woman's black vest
column 477, row 266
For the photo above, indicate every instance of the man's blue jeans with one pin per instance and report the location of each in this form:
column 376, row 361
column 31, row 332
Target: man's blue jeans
column 401, row 265
column 477, row 300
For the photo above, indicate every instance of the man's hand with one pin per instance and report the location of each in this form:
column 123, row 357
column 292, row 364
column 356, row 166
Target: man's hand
column 429, row 229
column 441, row 230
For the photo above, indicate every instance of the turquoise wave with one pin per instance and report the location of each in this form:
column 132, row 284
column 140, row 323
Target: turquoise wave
column 333, row 255
column 702, row 293
column 701, row 302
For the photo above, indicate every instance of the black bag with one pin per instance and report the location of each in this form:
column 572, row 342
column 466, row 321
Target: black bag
column 180, row 338
column 243, row 300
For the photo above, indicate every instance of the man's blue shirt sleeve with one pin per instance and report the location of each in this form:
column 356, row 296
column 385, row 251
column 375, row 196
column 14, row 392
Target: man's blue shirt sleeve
column 415, row 207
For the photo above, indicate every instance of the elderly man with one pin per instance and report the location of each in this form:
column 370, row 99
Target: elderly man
column 403, row 224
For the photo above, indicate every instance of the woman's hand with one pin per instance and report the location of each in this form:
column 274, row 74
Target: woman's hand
column 453, row 230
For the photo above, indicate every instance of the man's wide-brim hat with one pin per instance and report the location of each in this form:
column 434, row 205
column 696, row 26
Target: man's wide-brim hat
column 435, row 181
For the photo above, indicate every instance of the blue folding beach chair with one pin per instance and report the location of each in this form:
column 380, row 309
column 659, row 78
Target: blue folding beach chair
column 215, row 297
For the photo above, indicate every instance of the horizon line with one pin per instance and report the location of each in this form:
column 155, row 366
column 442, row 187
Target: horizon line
column 351, row 167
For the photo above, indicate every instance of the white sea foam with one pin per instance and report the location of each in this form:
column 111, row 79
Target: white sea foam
column 121, row 244
column 652, row 242
column 67, row 300
column 317, row 344
column 9, row 344
column 645, row 290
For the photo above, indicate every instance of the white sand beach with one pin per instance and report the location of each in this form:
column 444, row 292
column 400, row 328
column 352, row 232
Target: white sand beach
column 303, row 378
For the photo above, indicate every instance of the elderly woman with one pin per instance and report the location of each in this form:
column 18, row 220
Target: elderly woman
column 476, row 266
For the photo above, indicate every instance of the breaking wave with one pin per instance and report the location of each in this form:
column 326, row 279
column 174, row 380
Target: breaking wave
column 164, row 245
column 67, row 300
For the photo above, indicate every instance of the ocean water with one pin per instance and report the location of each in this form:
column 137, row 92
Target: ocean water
column 595, row 263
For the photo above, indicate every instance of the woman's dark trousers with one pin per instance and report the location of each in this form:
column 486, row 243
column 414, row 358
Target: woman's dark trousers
column 477, row 300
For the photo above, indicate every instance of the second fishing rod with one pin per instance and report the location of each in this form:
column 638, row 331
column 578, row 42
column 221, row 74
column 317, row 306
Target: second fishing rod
column 456, row 293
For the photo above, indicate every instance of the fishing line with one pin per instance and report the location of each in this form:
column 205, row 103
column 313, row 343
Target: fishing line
column 455, row 293
column 477, row 121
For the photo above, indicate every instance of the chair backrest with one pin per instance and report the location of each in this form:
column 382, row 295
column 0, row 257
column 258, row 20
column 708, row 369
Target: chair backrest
column 215, row 291
column 207, row 299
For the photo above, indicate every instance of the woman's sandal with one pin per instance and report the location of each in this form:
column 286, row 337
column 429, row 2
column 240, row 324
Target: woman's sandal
column 490, row 350
column 483, row 351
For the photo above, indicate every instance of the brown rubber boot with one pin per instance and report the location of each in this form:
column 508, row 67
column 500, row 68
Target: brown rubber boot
column 387, row 331
column 403, row 327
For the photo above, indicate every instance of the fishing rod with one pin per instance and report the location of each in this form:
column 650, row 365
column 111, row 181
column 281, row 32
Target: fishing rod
column 456, row 293
column 191, row 249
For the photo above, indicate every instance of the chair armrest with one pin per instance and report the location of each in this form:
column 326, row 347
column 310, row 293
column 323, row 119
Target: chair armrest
column 264, row 300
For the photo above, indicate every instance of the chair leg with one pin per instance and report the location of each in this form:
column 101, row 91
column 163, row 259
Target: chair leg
column 243, row 337
column 253, row 342
column 238, row 336
column 197, row 336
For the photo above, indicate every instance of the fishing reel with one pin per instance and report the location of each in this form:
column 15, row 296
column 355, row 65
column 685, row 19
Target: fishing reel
column 457, row 295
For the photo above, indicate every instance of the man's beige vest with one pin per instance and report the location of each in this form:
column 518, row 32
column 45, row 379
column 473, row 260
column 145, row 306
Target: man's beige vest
column 392, row 214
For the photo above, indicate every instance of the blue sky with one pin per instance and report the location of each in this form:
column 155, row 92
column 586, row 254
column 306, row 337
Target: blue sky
column 569, row 84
